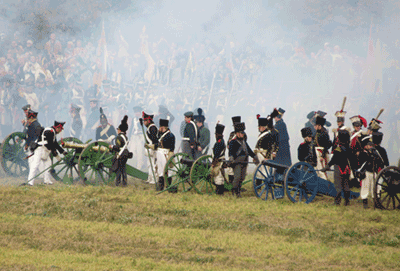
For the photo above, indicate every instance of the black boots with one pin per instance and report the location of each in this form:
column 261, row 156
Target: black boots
column 338, row 199
column 231, row 177
column 365, row 203
column 347, row 198
column 173, row 189
column 160, row 184
column 219, row 189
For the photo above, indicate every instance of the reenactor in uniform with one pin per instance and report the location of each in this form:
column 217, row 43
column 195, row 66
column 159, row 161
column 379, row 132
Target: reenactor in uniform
column 105, row 132
column 136, row 141
column 121, row 148
column 93, row 118
column 342, row 169
column 151, row 144
column 218, row 155
column 47, row 144
column 357, row 134
column 283, row 154
column 164, row 151
column 32, row 133
column 239, row 152
column 340, row 122
column 232, row 135
column 203, row 139
column 190, row 135
column 370, row 162
column 306, row 150
column 26, row 109
column 163, row 113
column 76, row 125
column 322, row 145
column 311, row 120
column 377, row 140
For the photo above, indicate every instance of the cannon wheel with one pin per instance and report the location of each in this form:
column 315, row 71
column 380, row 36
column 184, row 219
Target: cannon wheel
column 388, row 182
column 13, row 154
column 64, row 172
column 178, row 172
column 94, row 166
column 264, row 182
column 301, row 182
column 200, row 176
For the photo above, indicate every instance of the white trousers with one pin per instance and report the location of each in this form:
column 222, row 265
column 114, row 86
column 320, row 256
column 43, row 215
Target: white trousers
column 135, row 145
column 161, row 161
column 153, row 163
column 41, row 157
column 321, row 164
column 367, row 185
column 219, row 179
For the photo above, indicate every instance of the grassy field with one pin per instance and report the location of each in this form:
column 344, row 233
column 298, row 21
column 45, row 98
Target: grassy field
column 63, row 227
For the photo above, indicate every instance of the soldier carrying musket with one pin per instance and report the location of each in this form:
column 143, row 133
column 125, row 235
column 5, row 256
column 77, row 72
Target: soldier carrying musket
column 151, row 143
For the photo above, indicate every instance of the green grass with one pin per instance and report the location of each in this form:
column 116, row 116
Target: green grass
column 108, row 228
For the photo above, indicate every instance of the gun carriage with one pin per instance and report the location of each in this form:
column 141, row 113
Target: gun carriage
column 299, row 182
column 387, row 188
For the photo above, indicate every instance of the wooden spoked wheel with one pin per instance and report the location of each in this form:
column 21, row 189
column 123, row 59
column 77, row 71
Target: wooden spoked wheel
column 13, row 154
column 387, row 189
column 177, row 174
column 301, row 182
column 200, row 175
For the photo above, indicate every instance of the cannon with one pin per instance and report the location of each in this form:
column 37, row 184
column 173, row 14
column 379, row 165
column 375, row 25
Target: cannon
column 12, row 155
column 88, row 164
column 187, row 174
column 387, row 188
column 299, row 182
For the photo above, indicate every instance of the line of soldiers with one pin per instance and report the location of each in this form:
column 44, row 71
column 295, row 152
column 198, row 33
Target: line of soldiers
column 356, row 154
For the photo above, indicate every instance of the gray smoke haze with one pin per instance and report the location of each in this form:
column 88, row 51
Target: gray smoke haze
column 283, row 53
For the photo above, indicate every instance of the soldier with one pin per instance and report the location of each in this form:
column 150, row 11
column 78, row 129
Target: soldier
column 377, row 140
column 136, row 141
column 190, row 135
column 232, row 135
column 311, row 120
column 357, row 134
column 218, row 156
column 47, row 144
column 342, row 170
column 369, row 160
column 32, row 133
column 203, row 139
column 163, row 113
column 76, row 125
column 26, row 109
column 164, row 151
column 322, row 145
column 283, row 154
column 239, row 152
column 306, row 150
column 340, row 122
column 267, row 142
column 105, row 132
column 151, row 144
column 93, row 118
column 121, row 158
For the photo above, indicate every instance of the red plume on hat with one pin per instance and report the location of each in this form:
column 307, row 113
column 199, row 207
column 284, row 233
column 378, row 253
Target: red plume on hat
column 364, row 121
column 258, row 116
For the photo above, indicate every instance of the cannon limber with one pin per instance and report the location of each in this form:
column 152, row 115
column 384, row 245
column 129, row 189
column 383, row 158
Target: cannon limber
column 299, row 182
column 88, row 164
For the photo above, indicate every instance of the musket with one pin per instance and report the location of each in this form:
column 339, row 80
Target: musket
column 148, row 154
column 343, row 104
column 380, row 113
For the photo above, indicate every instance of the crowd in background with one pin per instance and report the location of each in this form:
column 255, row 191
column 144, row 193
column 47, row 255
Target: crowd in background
column 233, row 79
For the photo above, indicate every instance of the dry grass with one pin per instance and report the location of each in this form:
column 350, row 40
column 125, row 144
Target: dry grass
column 63, row 227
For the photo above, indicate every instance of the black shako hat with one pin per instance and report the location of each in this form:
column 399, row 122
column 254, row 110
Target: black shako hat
column 320, row 120
column 377, row 137
column 307, row 131
column 236, row 119
column 164, row 122
column 147, row 117
column 102, row 115
column 240, row 127
column 123, row 127
column 58, row 124
column 262, row 121
column 219, row 129
column 32, row 114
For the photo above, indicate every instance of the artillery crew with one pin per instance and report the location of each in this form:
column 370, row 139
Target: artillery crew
column 46, row 145
column 340, row 122
column 357, row 134
column 306, row 150
column 105, row 132
column 164, row 151
column 24, row 121
column 33, row 131
column 122, row 153
column 203, row 135
column 218, row 155
column 342, row 169
column 322, row 145
column 239, row 152
column 151, row 144
column 283, row 153
column 190, row 135
column 232, row 135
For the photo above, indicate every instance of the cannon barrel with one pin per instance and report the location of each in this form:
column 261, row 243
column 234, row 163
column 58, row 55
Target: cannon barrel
column 72, row 145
